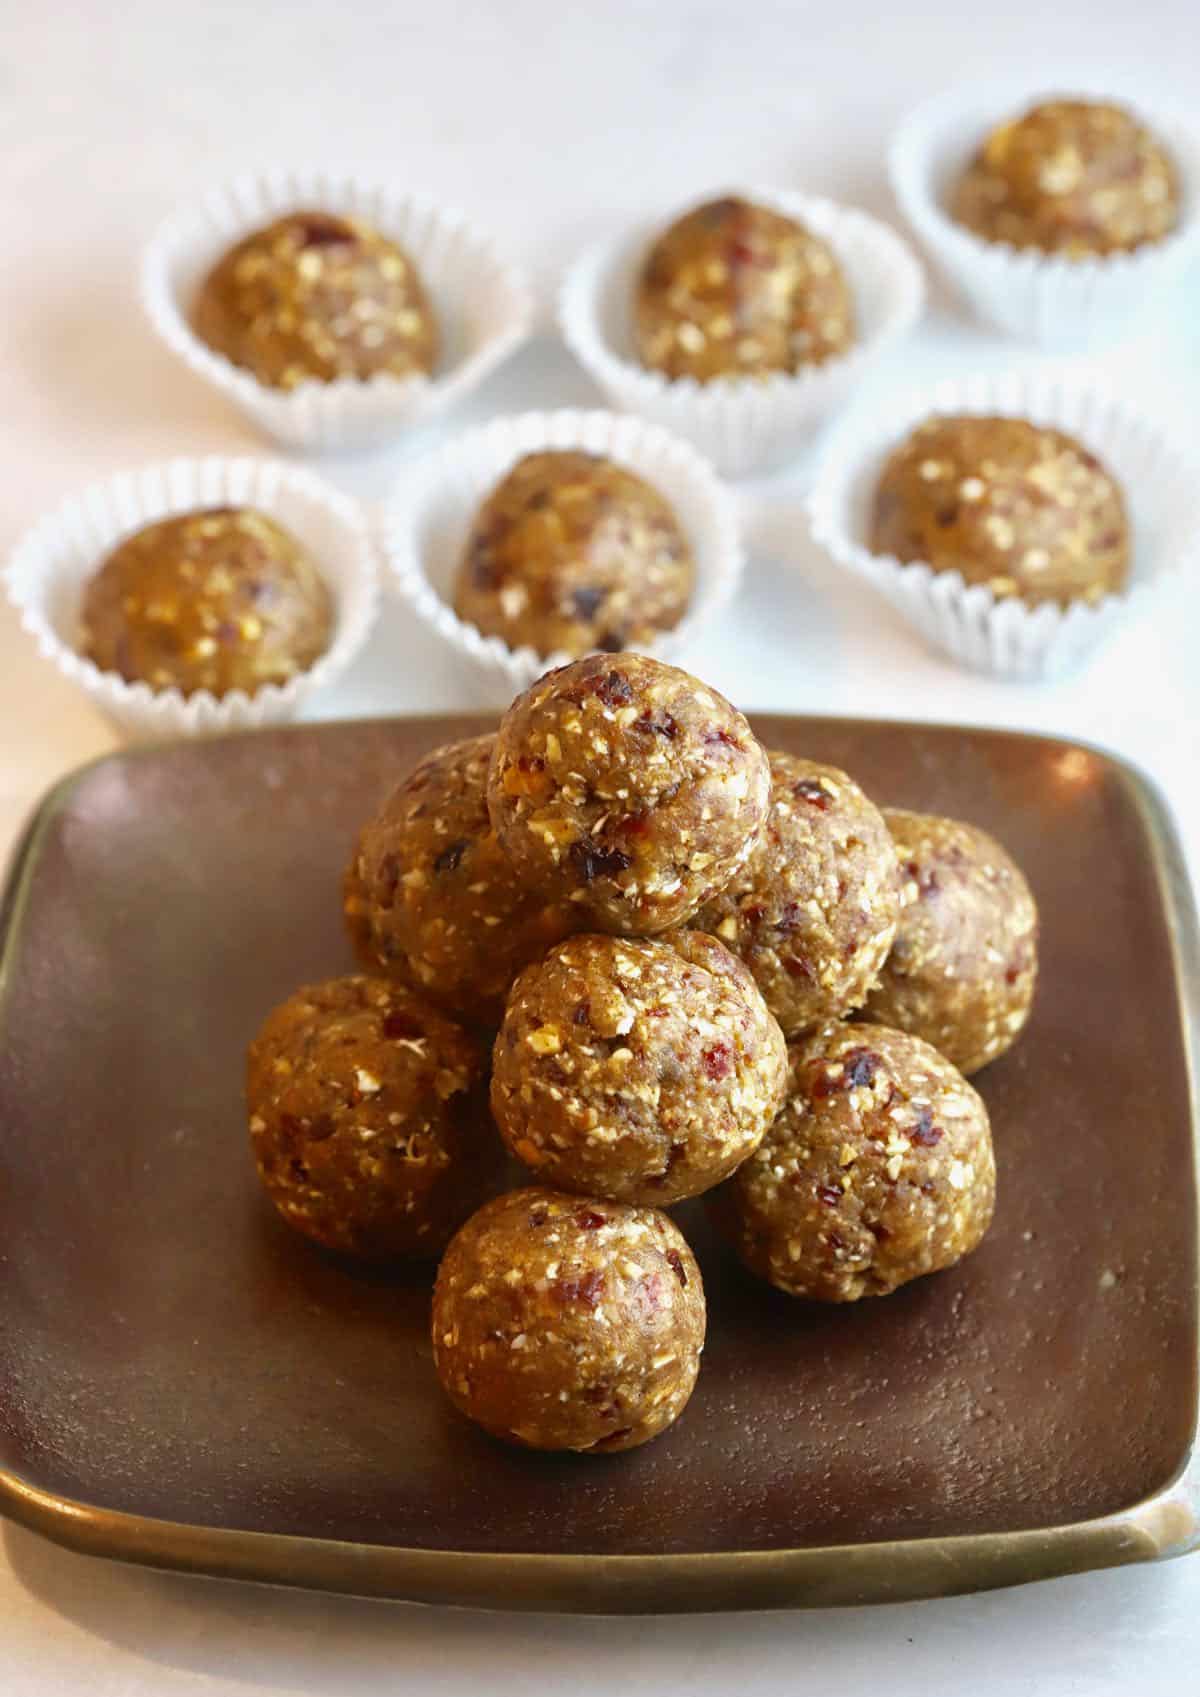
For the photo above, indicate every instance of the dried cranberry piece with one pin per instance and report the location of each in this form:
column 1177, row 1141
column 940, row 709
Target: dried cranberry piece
column 718, row 1061
column 531, row 763
column 586, row 603
column 675, row 1262
column 587, row 1288
column 592, row 861
column 860, row 1065
column 588, row 1220
column 661, row 725
column 721, row 737
column 925, row 1132
column 538, row 1217
column 650, row 1293
column 829, row 1194
column 798, row 965
column 740, row 253
column 1012, row 974
column 388, row 881
column 397, row 1023
column 290, row 1128
column 814, row 793
column 451, row 856
column 924, row 877
column 319, row 231
column 614, row 689
column 321, row 1128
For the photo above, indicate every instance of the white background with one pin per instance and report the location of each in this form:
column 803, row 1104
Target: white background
column 552, row 121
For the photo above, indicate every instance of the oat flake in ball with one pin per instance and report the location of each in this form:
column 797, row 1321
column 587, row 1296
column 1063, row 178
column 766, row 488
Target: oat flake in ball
column 644, row 1070
column 444, row 908
column 628, row 788
column 879, row 1169
column 368, row 1119
column 813, row 912
column 963, row 967
column 568, row 1323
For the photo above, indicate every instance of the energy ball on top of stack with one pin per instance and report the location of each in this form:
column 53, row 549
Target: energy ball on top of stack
column 626, row 787
column 673, row 931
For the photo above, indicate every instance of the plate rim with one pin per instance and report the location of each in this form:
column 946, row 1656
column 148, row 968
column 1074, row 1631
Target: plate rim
column 1164, row 1524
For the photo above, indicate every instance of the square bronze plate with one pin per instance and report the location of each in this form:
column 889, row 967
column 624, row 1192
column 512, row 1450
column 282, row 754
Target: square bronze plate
column 185, row 1383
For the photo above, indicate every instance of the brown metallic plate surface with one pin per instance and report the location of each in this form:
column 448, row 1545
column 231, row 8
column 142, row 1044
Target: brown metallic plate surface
column 184, row 1382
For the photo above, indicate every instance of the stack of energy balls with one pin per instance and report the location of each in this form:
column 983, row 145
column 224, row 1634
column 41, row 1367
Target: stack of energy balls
column 662, row 931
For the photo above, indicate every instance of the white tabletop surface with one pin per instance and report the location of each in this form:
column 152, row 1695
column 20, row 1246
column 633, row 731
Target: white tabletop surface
column 551, row 121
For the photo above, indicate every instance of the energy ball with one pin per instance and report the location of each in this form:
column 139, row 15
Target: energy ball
column 1072, row 177
column 445, row 910
column 735, row 290
column 962, row 970
column 813, row 912
column 641, row 1070
column 629, row 789
column 368, row 1119
column 314, row 297
column 218, row 600
column 879, row 1169
column 1022, row 508
column 571, row 552
column 565, row 1323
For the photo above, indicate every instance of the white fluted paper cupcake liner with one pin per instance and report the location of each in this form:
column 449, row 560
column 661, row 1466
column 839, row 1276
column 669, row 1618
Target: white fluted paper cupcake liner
column 50, row 566
column 427, row 517
column 1054, row 302
column 483, row 304
column 1160, row 480
column 741, row 424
